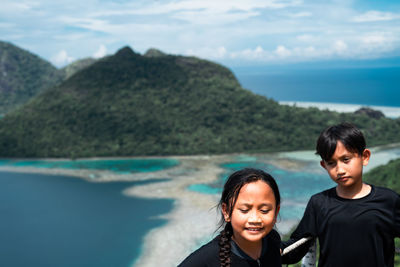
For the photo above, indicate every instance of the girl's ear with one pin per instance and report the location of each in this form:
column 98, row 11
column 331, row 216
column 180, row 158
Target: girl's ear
column 277, row 211
column 225, row 212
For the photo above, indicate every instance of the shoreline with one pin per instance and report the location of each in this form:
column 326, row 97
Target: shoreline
column 194, row 218
column 388, row 111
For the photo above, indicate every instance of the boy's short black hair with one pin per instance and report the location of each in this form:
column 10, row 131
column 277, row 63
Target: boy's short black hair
column 351, row 137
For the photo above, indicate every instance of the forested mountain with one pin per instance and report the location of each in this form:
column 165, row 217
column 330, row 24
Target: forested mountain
column 22, row 75
column 386, row 175
column 76, row 66
column 157, row 104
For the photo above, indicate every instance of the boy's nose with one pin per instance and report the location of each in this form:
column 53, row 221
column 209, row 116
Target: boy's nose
column 340, row 170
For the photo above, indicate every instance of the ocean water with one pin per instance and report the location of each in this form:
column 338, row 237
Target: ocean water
column 63, row 221
column 295, row 187
column 115, row 165
column 365, row 86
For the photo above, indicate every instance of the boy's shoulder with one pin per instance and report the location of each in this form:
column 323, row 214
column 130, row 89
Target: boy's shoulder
column 384, row 191
column 328, row 193
column 376, row 192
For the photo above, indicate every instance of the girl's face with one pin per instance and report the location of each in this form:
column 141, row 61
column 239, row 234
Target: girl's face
column 254, row 213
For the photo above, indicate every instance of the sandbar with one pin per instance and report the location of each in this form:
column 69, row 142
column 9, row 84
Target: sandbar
column 194, row 218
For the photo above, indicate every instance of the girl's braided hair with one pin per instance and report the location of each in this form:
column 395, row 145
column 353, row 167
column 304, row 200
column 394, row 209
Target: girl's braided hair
column 225, row 245
column 228, row 199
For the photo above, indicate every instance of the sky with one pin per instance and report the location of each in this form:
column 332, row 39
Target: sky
column 231, row 32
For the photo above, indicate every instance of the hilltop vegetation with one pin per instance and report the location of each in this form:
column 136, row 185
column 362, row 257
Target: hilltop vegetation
column 75, row 67
column 157, row 104
column 386, row 175
column 22, row 75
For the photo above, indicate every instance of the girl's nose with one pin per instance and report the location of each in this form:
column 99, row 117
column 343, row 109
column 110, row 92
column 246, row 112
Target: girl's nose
column 254, row 217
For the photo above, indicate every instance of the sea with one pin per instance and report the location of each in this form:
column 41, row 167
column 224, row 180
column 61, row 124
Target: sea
column 371, row 86
column 295, row 187
column 52, row 220
column 49, row 220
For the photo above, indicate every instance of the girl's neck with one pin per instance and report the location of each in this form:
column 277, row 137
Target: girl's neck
column 252, row 249
column 354, row 192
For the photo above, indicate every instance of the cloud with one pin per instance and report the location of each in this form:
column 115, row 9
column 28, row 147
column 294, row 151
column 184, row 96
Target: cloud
column 12, row 6
column 221, row 52
column 306, row 38
column 213, row 18
column 199, row 11
column 226, row 31
column 373, row 15
column 340, row 46
column 282, row 51
column 6, row 25
column 301, row 15
column 216, row 6
column 61, row 59
column 101, row 52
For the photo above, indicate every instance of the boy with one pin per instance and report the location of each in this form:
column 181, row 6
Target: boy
column 355, row 222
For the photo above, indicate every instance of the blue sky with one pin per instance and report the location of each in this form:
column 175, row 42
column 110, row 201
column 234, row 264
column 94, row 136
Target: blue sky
column 234, row 33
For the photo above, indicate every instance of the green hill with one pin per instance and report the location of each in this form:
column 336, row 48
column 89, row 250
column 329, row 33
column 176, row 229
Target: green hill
column 129, row 104
column 76, row 66
column 387, row 175
column 22, row 75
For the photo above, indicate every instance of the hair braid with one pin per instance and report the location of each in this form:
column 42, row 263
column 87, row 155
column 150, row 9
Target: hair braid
column 225, row 245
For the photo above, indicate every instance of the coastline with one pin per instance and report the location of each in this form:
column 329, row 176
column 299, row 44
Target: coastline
column 390, row 112
column 194, row 218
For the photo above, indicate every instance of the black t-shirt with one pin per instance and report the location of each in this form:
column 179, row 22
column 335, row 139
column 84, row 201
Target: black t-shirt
column 207, row 255
column 351, row 232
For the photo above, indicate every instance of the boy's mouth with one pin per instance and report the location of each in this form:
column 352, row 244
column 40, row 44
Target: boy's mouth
column 342, row 178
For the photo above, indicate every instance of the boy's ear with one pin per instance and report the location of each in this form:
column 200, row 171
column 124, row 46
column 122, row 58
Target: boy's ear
column 322, row 163
column 365, row 156
column 225, row 212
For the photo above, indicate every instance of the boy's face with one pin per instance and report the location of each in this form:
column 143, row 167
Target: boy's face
column 345, row 167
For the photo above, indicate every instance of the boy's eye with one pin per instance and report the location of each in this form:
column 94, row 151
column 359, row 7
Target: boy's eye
column 244, row 210
column 346, row 159
column 264, row 211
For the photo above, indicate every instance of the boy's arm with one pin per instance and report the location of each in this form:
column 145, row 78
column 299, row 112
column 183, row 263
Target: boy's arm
column 294, row 250
column 306, row 229
column 397, row 216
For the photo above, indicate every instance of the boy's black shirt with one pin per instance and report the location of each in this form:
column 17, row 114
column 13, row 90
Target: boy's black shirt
column 208, row 255
column 351, row 232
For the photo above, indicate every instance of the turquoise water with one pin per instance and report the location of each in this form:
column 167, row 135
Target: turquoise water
column 60, row 221
column 295, row 187
column 117, row 165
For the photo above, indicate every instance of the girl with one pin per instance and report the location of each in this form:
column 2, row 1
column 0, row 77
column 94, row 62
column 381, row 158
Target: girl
column 250, row 204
